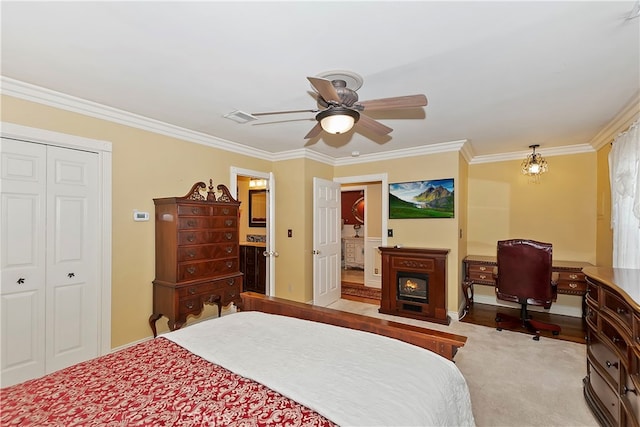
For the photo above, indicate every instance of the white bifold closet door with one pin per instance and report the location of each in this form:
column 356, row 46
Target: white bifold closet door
column 48, row 259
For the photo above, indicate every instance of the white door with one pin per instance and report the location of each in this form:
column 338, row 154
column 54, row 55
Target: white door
column 72, row 268
column 22, row 260
column 49, row 259
column 326, row 241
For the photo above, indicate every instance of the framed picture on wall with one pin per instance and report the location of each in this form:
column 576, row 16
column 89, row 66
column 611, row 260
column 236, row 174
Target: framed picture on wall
column 421, row 199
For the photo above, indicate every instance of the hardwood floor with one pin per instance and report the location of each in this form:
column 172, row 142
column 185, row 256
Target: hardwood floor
column 573, row 328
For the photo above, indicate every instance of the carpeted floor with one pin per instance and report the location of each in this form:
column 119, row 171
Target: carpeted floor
column 513, row 380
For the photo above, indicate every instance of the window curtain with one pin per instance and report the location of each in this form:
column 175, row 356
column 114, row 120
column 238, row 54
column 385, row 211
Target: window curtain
column 624, row 160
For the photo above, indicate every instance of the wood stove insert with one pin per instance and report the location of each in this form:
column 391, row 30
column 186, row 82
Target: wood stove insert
column 414, row 283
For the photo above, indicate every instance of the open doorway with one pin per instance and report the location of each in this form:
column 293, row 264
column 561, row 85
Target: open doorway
column 363, row 231
column 353, row 233
column 256, row 192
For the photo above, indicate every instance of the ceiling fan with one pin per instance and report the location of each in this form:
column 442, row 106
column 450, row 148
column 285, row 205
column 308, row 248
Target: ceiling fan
column 341, row 109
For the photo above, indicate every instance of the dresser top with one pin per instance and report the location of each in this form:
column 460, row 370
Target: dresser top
column 625, row 280
column 558, row 264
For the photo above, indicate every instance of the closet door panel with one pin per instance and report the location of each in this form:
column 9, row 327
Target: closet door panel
column 22, row 260
column 22, row 349
column 72, row 268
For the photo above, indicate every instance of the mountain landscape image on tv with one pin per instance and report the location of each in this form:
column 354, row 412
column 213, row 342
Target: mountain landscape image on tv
column 421, row 199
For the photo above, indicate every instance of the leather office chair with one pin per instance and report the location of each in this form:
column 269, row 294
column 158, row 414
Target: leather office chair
column 524, row 276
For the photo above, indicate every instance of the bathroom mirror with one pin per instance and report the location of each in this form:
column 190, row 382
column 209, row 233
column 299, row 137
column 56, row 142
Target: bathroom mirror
column 257, row 208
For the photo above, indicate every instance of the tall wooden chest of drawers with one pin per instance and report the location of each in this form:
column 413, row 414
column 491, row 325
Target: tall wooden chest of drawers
column 197, row 253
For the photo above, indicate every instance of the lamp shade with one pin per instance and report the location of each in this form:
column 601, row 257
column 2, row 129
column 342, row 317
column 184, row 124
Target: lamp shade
column 337, row 120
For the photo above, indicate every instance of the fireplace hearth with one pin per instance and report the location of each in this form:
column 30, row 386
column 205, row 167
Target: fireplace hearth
column 414, row 283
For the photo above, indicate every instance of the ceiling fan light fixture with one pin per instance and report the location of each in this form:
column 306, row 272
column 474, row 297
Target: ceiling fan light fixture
column 337, row 120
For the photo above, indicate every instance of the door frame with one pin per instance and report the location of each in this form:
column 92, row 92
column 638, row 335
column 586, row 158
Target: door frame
column 235, row 172
column 104, row 151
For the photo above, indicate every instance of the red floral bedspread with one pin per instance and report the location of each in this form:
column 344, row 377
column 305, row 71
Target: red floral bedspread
column 155, row 383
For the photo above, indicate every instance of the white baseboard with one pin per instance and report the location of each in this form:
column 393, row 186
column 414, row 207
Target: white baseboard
column 565, row 310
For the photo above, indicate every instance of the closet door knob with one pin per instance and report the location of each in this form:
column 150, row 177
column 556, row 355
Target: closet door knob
column 70, row 275
column 20, row 281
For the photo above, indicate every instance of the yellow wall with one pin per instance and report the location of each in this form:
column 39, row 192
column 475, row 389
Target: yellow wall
column 604, row 234
column 294, row 211
column 374, row 210
column 561, row 209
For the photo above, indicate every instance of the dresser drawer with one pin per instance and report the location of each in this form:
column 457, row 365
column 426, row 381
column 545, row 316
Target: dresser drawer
column 194, row 210
column 200, row 237
column 591, row 316
column 190, row 306
column 631, row 393
column 631, row 403
column 571, row 276
column 614, row 336
column 194, row 253
column 606, row 395
column 217, row 287
column 203, row 222
column 199, row 270
column 608, row 361
column 618, row 308
column 481, row 273
column 225, row 211
column 593, row 292
column 572, row 287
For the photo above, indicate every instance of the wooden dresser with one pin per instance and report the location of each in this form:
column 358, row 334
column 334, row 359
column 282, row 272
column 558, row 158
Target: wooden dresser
column 612, row 384
column 253, row 265
column 196, row 254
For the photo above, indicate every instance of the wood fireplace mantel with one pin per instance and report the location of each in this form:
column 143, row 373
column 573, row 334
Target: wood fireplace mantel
column 424, row 264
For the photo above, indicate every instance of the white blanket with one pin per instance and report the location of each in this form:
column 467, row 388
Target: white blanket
column 351, row 377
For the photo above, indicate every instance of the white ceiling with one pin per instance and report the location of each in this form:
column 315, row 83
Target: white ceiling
column 502, row 75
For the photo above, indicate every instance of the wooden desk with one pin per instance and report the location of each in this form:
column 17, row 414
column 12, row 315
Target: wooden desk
column 479, row 270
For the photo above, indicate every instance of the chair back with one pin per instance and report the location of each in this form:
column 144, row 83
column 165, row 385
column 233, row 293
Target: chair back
column 524, row 272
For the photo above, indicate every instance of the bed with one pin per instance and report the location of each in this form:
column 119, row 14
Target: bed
column 276, row 362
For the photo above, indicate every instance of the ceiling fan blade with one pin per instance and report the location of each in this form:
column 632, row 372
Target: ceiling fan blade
column 409, row 101
column 325, row 89
column 373, row 125
column 315, row 131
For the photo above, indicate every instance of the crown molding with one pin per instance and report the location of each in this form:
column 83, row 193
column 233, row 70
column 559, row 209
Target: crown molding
column 399, row 154
column 621, row 122
column 547, row 152
column 66, row 102
column 40, row 95
column 303, row 153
